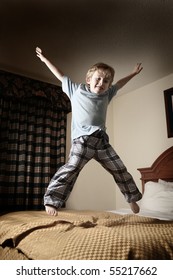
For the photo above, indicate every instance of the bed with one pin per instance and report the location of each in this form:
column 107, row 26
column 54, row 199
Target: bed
column 98, row 235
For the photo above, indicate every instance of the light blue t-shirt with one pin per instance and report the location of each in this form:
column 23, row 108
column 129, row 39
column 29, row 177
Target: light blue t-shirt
column 88, row 109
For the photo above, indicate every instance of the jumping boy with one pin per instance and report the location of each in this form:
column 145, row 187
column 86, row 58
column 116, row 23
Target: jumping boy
column 89, row 139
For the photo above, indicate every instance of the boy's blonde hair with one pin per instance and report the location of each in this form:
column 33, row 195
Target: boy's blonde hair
column 109, row 71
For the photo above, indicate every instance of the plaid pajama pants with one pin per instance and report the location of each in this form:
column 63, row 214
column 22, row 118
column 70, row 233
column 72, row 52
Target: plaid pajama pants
column 95, row 146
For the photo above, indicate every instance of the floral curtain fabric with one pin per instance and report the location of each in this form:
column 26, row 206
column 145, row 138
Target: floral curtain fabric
column 33, row 118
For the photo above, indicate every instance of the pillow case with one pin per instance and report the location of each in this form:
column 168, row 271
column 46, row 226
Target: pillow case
column 158, row 198
column 165, row 183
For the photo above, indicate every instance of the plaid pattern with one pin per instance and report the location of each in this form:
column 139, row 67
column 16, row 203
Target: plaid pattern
column 83, row 149
column 32, row 140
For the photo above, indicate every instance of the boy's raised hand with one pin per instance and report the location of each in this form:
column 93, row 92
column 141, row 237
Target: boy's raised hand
column 39, row 53
column 137, row 68
column 56, row 71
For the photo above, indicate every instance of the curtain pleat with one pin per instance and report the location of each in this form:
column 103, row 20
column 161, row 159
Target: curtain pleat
column 32, row 147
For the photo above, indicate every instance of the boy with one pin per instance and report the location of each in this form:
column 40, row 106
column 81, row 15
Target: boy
column 89, row 139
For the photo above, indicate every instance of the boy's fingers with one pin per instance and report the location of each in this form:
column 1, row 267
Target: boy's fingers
column 38, row 49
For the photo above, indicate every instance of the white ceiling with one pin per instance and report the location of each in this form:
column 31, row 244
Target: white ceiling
column 74, row 34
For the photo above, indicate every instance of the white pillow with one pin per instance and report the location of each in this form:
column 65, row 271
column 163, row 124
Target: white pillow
column 158, row 198
column 165, row 183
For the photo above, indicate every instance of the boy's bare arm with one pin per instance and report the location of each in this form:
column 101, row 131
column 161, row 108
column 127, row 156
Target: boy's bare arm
column 57, row 72
column 126, row 79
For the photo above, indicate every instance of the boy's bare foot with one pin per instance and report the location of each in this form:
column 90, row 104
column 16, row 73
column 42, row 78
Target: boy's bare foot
column 51, row 210
column 134, row 207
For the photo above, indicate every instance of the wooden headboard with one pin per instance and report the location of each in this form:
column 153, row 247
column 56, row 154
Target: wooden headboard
column 162, row 168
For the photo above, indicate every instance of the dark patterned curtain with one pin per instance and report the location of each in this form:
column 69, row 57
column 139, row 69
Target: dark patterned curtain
column 32, row 139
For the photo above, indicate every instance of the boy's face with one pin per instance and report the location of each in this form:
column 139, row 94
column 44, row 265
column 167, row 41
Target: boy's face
column 99, row 82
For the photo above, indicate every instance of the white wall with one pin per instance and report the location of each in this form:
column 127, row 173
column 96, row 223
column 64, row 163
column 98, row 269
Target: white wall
column 136, row 124
column 140, row 133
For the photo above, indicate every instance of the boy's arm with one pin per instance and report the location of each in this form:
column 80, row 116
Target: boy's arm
column 126, row 79
column 57, row 72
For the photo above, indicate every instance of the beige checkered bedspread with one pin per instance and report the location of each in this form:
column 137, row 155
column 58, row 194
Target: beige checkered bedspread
column 84, row 235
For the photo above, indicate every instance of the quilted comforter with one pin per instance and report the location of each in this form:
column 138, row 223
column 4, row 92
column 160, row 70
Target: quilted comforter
column 84, row 235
